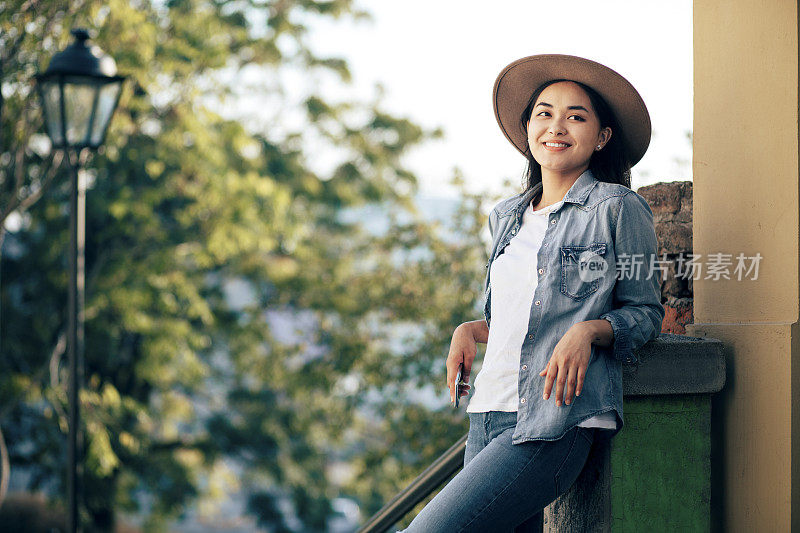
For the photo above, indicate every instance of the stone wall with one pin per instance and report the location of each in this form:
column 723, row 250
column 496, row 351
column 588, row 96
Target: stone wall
column 671, row 203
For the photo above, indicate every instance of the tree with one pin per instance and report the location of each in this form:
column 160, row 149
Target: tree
column 240, row 332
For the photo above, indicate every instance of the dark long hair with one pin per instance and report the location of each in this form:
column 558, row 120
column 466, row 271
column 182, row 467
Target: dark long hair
column 609, row 164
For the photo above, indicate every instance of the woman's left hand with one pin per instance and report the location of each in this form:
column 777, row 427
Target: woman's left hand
column 567, row 366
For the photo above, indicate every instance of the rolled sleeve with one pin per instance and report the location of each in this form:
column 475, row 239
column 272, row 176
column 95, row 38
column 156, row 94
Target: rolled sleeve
column 637, row 311
column 622, row 339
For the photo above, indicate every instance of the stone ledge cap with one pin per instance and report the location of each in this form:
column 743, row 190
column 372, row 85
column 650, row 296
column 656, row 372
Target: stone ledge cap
column 676, row 364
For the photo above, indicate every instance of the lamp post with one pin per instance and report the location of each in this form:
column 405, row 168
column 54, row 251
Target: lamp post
column 79, row 92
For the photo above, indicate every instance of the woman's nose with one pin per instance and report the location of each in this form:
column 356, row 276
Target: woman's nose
column 556, row 128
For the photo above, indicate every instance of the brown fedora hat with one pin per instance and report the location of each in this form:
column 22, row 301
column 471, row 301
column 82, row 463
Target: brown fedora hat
column 516, row 83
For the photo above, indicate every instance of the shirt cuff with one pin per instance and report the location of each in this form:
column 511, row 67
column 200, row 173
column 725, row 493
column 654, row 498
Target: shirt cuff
column 622, row 339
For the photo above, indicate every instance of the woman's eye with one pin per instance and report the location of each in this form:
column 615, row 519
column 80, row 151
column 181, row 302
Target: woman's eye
column 547, row 113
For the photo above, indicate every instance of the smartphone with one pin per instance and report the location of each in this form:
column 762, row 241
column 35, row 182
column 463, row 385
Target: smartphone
column 458, row 384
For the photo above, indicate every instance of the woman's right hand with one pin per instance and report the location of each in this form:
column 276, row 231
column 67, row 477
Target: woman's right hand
column 463, row 348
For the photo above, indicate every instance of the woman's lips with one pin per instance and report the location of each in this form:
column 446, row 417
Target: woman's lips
column 560, row 148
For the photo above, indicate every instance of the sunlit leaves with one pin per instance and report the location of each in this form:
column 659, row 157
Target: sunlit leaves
column 241, row 331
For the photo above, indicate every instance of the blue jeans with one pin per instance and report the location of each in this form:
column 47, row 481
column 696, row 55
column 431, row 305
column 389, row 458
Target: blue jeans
column 504, row 486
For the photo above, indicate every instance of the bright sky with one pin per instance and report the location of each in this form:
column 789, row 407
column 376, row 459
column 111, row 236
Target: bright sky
column 438, row 60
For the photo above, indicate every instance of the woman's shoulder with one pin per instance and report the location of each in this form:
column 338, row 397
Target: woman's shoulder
column 610, row 190
column 623, row 196
column 507, row 204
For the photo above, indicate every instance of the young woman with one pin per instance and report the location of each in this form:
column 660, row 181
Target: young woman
column 572, row 291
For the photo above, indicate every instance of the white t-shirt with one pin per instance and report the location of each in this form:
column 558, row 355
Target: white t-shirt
column 514, row 279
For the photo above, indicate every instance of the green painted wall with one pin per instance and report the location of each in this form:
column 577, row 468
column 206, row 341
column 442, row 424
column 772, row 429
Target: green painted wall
column 661, row 465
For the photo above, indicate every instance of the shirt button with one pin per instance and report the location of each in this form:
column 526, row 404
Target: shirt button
column 538, row 302
column 524, row 367
column 553, row 221
column 541, row 271
column 522, row 400
column 530, row 336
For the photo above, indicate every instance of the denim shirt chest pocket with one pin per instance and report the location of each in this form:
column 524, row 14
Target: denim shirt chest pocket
column 581, row 269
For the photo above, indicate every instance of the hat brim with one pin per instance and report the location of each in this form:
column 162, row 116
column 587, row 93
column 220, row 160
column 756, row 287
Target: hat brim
column 516, row 83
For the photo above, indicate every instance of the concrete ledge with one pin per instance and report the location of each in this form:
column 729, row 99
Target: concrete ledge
column 676, row 364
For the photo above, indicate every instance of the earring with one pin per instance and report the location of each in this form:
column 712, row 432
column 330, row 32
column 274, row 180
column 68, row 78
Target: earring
column 599, row 146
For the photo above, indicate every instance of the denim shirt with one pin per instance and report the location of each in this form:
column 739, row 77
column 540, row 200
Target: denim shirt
column 599, row 226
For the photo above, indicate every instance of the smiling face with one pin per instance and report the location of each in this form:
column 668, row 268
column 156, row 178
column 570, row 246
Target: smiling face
column 564, row 130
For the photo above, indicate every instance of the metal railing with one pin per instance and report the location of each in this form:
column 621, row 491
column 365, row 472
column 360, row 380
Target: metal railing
column 428, row 481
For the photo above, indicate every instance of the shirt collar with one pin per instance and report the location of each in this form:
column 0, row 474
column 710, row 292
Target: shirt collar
column 577, row 194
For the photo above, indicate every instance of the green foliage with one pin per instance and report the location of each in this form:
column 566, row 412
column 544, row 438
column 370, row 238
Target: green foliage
column 189, row 394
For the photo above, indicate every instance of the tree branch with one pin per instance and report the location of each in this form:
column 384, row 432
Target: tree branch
column 5, row 468
column 19, row 170
column 22, row 204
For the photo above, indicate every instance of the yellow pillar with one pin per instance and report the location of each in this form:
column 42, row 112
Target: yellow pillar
column 746, row 190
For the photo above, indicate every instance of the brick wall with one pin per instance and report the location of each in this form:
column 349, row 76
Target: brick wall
column 671, row 203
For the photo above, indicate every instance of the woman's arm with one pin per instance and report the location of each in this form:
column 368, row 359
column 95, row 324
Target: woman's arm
column 598, row 332
column 463, row 348
column 479, row 330
column 638, row 312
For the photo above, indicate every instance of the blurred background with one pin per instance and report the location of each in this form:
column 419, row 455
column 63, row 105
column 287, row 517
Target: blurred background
column 284, row 225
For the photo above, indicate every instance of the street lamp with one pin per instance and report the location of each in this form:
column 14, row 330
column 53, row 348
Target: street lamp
column 79, row 91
